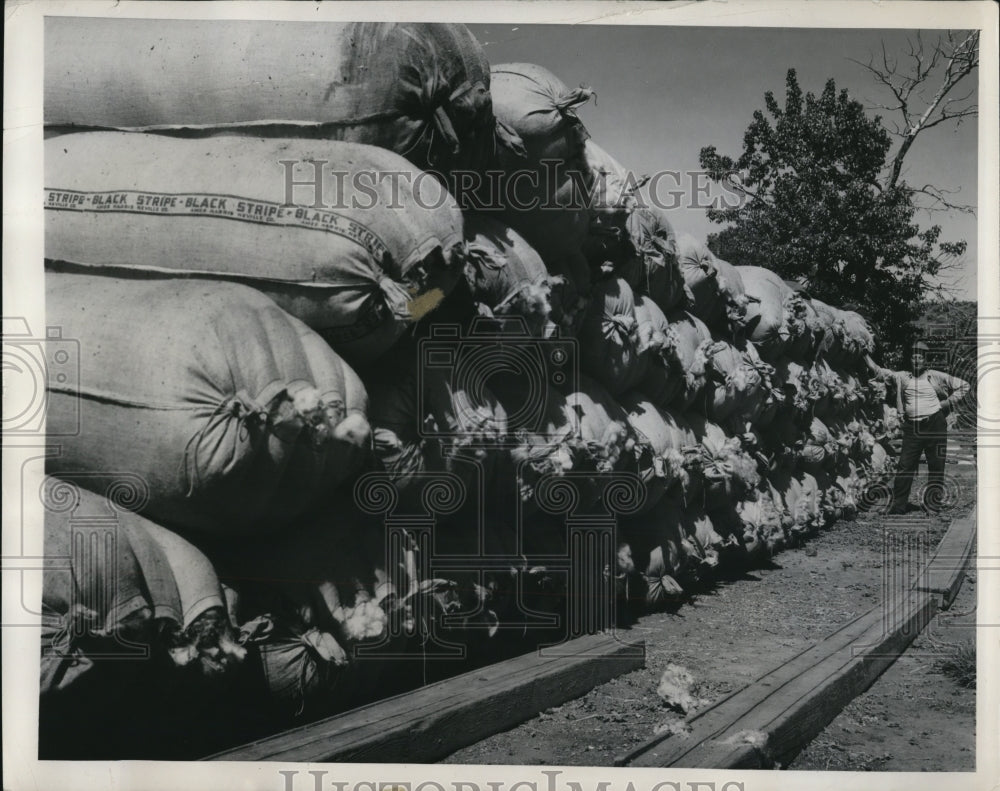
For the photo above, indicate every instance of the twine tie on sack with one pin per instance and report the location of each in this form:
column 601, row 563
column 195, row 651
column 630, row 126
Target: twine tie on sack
column 240, row 407
column 568, row 102
column 508, row 138
column 396, row 298
column 70, row 624
column 434, row 97
column 475, row 259
column 620, row 325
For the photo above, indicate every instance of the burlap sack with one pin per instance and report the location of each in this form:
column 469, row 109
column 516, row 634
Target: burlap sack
column 612, row 350
column 775, row 314
column 113, row 582
column 544, row 191
column 716, row 287
column 506, row 274
column 421, row 90
column 374, row 258
column 652, row 266
column 686, row 354
column 235, row 415
column 660, row 445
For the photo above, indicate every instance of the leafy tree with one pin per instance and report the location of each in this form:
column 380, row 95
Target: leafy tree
column 824, row 204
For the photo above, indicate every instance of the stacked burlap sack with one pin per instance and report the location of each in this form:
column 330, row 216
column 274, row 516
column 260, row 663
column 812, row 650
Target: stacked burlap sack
column 240, row 216
column 323, row 383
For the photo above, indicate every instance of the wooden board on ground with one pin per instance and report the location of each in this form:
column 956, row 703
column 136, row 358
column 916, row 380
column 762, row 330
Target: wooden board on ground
column 768, row 722
column 944, row 573
column 434, row 721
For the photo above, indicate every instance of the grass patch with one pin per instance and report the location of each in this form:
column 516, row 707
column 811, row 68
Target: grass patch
column 961, row 665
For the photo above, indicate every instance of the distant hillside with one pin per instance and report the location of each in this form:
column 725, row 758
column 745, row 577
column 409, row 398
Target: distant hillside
column 948, row 318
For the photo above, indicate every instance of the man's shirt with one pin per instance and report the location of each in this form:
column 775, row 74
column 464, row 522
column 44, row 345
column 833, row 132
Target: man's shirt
column 920, row 397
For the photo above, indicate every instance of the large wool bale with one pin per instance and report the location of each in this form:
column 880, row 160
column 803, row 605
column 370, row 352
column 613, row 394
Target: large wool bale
column 766, row 324
column 801, row 498
column 660, row 381
column 651, row 323
column 309, row 597
column 584, row 431
column 859, row 339
column 419, row 89
column 730, row 311
column 541, row 109
column 762, row 520
column 132, row 615
column 814, row 323
column 718, row 296
column 613, row 187
column 626, row 236
column 650, row 265
column 236, row 415
column 852, row 437
column 611, row 201
column 663, row 445
column 700, row 530
column 831, row 344
column 686, row 353
column 879, row 463
column 737, row 381
column 614, row 349
column 662, row 551
column 698, row 267
column 770, row 397
column 847, row 337
column 506, row 274
column 775, row 315
column 427, row 425
column 114, row 581
column 600, row 422
column 793, row 378
column 826, row 386
column 360, row 269
column 547, row 208
column 728, row 471
column 847, row 394
column 848, row 487
column 819, row 448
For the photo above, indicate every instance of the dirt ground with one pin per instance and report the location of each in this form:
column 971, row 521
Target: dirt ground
column 914, row 718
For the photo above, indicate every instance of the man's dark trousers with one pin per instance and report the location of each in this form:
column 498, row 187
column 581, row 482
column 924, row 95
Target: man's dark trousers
column 930, row 437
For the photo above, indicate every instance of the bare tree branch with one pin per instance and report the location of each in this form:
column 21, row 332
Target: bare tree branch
column 969, row 112
column 947, row 60
column 940, row 201
column 961, row 61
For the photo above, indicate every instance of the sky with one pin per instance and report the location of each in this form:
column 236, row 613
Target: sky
column 665, row 92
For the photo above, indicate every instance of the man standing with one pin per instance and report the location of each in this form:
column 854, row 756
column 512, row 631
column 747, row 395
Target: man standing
column 924, row 398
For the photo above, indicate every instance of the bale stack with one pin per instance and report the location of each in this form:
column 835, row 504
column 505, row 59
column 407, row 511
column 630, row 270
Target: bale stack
column 287, row 375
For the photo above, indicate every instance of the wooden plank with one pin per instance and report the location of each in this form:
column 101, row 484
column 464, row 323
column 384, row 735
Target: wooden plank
column 771, row 720
column 432, row 722
column 945, row 572
column 717, row 717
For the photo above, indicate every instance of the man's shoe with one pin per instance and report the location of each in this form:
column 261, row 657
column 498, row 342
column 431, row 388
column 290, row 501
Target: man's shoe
column 894, row 511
